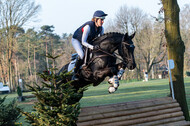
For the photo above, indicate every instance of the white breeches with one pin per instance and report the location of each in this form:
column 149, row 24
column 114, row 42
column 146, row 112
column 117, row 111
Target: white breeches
column 78, row 47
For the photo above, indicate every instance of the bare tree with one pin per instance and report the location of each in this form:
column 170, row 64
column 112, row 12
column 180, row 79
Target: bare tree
column 14, row 14
column 185, row 34
column 67, row 49
column 149, row 43
column 126, row 20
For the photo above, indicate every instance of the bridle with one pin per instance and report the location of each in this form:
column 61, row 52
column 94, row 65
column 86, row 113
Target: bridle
column 128, row 46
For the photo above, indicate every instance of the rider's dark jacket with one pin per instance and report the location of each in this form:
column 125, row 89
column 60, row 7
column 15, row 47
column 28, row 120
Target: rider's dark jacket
column 93, row 33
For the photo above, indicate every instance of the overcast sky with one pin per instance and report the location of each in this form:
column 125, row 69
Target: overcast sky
column 67, row 15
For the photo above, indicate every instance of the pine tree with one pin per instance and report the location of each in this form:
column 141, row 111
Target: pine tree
column 8, row 112
column 57, row 106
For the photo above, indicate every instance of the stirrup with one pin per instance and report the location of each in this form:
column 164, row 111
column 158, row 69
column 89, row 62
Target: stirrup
column 75, row 77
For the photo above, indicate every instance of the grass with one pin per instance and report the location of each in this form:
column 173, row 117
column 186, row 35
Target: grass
column 131, row 91
column 127, row 92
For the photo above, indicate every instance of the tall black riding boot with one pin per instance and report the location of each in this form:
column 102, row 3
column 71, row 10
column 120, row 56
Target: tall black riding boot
column 77, row 66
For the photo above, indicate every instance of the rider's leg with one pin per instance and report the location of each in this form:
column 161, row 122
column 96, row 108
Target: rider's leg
column 78, row 48
column 77, row 66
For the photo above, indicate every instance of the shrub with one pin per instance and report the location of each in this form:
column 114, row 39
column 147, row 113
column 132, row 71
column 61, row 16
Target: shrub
column 8, row 112
column 19, row 91
column 57, row 106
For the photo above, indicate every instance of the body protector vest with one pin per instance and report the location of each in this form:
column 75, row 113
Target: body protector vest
column 93, row 33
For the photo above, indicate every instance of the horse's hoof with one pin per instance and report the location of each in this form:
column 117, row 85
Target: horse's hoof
column 111, row 80
column 111, row 90
column 116, row 85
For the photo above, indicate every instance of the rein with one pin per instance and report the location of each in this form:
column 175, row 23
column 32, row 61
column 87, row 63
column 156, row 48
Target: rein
column 106, row 54
column 110, row 54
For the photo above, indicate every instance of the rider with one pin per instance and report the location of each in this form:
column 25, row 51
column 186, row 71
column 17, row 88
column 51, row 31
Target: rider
column 84, row 35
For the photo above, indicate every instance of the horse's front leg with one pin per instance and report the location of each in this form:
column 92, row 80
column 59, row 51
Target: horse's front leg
column 102, row 73
column 114, row 80
column 121, row 69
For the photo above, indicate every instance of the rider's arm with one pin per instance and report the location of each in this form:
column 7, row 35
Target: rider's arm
column 86, row 31
column 102, row 32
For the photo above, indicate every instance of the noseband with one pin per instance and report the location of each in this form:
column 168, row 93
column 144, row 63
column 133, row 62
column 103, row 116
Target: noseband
column 129, row 58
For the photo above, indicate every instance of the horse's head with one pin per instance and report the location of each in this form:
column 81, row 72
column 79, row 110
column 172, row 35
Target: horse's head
column 126, row 50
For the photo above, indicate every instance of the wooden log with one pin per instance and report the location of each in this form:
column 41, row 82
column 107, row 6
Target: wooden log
column 128, row 112
column 161, row 122
column 161, row 111
column 125, row 106
column 140, row 120
column 177, row 123
column 133, row 119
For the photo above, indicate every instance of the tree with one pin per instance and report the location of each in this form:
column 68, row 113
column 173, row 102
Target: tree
column 149, row 43
column 8, row 112
column 185, row 34
column 67, row 49
column 30, row 52
column 126, row 20
column 176, row 49
column 26, row 53
column 57, row 107
column 13, row 15
column 46, row 33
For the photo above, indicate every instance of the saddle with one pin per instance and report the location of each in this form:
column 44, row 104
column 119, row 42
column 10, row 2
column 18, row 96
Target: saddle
column 85, row 64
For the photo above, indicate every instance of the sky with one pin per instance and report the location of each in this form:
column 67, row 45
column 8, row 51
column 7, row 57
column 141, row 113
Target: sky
column 67, row 15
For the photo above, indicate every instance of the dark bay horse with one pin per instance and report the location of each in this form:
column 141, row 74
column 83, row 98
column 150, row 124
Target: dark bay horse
column 102, row 62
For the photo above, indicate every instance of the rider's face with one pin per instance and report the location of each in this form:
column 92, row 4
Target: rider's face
column 99, row 22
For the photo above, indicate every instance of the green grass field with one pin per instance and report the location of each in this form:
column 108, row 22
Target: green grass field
column 132, row 91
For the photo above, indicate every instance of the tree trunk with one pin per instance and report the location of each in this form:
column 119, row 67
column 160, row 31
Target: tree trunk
column 29, row 66
column 35, row 65
column 16, row 72
column 176, row 49
column 2, row 73
column 46, row 56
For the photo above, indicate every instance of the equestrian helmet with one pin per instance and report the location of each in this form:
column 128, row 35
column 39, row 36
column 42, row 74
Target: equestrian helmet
column 99, row 14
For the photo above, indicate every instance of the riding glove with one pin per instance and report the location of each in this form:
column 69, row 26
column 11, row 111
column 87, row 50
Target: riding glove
column 96, row 47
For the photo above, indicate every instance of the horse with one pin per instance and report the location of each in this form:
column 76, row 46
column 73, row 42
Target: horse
column 102, row 62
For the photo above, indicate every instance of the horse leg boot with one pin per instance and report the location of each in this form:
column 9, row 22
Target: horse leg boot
column 77, row 66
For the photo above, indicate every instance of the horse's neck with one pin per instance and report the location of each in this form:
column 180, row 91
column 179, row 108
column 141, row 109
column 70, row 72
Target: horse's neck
column 110, row 46
column 109, row 42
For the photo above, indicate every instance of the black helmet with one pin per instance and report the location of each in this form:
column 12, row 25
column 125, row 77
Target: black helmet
column 99, row 14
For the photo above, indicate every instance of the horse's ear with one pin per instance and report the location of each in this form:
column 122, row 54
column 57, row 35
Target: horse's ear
column 132, row 36
column 125, row 37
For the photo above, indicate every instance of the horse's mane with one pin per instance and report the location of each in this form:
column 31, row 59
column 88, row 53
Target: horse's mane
column 99, row 39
